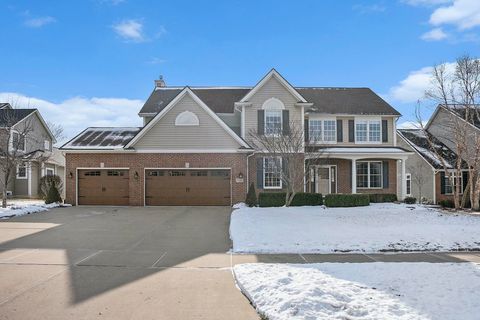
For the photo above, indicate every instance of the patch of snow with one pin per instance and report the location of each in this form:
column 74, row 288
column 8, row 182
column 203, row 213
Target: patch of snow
column 379, row 227
column 396, row 291
column 22, row 207
column 239, row 205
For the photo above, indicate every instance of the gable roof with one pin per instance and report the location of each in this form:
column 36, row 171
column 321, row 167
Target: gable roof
column 172, row 103
column 273, row 74
column 418, row 140
column 105, row 138
column 361, row 101
column 10, row 117
column 5, row 106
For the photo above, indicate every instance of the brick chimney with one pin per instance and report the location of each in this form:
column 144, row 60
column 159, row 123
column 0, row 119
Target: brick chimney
column 160, row 83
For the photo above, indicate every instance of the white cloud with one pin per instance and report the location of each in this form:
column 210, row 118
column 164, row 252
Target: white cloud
column 130, row 30
column 77, row 113
column 434, row 35
column 39, row 22
column 413, row 87
column 464, row 14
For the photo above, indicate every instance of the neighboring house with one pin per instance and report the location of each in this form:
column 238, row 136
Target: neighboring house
column 40, row 157
column 425, row 171
column 194, row 147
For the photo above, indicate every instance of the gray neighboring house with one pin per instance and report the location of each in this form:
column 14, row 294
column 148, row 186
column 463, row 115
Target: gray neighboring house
column 425, row 174
column 41, row 158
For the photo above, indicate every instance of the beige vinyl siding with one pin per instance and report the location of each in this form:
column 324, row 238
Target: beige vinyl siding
column 271, row 89
column 423, row 186
column 36, row 135
column 165, row 135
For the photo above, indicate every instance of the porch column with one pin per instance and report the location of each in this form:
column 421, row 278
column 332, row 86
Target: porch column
column 403, row 181
column 354, row 176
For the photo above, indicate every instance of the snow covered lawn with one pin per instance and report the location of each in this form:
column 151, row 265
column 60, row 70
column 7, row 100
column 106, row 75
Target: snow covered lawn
column 376, row 228
column 362, row 290
column 17, row 208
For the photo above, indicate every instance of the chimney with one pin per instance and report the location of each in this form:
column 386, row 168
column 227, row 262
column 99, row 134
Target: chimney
column 160, row 83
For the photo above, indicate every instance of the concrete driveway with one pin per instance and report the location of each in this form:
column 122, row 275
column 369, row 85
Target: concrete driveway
column 119, row 263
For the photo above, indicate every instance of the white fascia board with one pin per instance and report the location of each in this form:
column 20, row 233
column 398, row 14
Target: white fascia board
column 273, row 73
column 172, row 103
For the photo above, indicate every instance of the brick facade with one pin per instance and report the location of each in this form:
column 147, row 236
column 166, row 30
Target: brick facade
column 137, row 162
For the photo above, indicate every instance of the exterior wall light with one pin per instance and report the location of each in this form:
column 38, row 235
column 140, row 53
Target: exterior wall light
column 70, row 175
column 135, row 175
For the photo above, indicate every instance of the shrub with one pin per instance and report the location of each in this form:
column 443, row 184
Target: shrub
column 271, row 199
column 382, row 197
column 447, row 203
column 251, row 199
column 410, row 200
column 45, row 182
column 307, row 199
column 277, row 199
column 347, row 200
column 53, row 195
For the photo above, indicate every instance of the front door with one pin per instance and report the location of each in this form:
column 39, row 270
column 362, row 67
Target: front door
column 326, row 181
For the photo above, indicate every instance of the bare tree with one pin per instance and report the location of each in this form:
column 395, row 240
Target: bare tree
column 57, row 130
column 457, row 89
column 286, row 149
column 13, row 143
column 418, row 178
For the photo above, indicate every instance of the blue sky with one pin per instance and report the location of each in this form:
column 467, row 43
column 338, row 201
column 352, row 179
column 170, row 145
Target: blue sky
column 93, row 62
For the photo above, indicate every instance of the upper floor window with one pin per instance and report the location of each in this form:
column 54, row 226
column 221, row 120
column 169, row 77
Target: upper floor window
column 273, row 116
column 273, row 122
column 18, row 141
column 46, row 145
column 368, row 131
column 322, row 130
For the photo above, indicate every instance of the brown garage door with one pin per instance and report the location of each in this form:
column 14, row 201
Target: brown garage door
column 103, row 187
column 187, row 187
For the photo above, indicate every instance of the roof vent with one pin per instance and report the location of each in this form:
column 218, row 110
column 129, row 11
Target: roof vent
column 160, row 83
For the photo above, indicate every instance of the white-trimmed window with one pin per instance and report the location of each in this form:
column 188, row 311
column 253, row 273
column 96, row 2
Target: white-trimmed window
column 408, row 181
column 273, row 122
column 49, row 172
column 187, row 118
column 368, row 131
column 46, row 145
column 18, row 141
column 322, row 130
column 369, row 174
column 272, row 173
column 457, row 179
column 22, row 171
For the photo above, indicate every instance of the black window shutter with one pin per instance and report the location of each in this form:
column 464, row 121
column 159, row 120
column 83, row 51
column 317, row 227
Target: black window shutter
column 339, row 131
column 385, row 174
column 384, row 131
column 351, row 131
column 261, row 121
column 465, row 179
column 260, row 173
column 286, row 122
column 306, row 130
column 442, row 182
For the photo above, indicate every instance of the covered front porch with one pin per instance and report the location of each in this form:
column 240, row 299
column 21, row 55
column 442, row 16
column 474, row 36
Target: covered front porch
column 357, row 170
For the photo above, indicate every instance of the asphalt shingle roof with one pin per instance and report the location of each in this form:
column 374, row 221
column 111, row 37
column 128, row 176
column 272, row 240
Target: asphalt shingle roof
column 325, row 100
column 9, row 117
column 419, row 141
column 102, row 138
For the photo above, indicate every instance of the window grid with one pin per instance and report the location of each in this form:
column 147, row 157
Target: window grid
column 457, row 179
column 408, row 179
column 273, row 122
column 322, row 131
column 272, row 173
column 368, row 131
column 21, row 171
column 369, row 174
column 315, row 130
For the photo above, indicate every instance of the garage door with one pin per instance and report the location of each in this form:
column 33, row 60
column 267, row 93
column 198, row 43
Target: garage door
column 103, row 187
column 187, row 187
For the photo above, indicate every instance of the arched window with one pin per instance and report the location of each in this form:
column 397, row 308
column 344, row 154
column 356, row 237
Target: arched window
column 273, row 116
column 187, row 118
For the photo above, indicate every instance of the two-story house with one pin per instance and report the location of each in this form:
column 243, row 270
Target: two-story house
column 33, row 142
column 194, row 147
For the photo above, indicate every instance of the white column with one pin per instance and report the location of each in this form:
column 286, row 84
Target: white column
column 354, row 176
column 403, row 181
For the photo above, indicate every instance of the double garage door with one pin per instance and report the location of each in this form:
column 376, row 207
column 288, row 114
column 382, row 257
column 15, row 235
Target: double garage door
column 162, row 187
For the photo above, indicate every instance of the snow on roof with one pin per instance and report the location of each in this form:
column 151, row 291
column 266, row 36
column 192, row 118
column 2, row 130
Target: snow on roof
column 435, row 152
column 102, row 138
